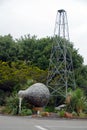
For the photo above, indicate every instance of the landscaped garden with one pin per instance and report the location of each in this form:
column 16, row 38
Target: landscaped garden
column 25, row 61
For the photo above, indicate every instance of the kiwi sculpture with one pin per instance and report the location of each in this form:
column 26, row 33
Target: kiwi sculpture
column 37, row 94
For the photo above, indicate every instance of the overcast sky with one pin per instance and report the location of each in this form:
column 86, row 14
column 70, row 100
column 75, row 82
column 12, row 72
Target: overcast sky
column 37, row 17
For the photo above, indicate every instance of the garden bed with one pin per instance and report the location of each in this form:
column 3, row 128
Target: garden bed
column 55, row 116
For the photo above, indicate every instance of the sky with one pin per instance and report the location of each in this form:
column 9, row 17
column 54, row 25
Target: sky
column 37, row 17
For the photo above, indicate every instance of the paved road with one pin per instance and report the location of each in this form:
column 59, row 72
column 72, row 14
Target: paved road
column 25, row 123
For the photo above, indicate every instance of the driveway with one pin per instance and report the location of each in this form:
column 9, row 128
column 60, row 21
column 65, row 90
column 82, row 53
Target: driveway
column 27, row 123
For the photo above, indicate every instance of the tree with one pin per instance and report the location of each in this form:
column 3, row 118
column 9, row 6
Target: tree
column 8, row 48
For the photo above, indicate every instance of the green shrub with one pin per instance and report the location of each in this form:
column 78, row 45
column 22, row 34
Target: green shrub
column 77, row 101
column 49, row 109
column 2, row 97
column 82, row 115
column 25, row 112
column 61, row 113
column 74, row 114
column 12, row 104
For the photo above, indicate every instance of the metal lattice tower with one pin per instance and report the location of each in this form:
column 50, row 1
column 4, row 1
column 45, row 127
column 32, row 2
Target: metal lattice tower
column 60, row 73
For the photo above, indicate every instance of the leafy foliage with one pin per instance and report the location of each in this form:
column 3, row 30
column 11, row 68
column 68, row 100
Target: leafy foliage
column 25, row 112
column 18, row 74
column 77, row 102
column 12, row 103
